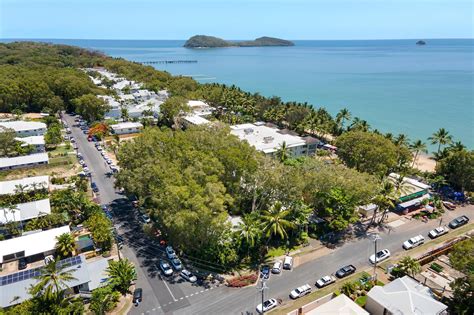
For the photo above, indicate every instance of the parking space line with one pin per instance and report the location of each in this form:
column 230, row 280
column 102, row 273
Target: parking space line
column 181, row 298
column 171, row 293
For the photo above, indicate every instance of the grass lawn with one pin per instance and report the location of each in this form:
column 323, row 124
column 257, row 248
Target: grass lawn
column 361, row 300
column 60, row 150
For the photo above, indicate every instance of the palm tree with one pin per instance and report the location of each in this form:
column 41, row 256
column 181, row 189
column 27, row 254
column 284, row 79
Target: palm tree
column 283, row 152
column 418, row 147
column 343, row 115
column 457, row 146
column 53, row 280
column 65, row 245
column 275, row 221
column 248, row 231
column 384, row 200
column 441, row 137
column 401, row 140
column 409, row 266
column 121, row 274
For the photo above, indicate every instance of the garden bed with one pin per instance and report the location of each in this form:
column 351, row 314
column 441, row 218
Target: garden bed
column 242, row 281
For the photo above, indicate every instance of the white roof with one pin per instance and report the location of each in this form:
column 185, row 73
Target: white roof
column 32, row 244
column 197, row 104
column 410, row 181
column 126, row 125
column 265, row 138
column 196, row 120
column 340, row 305
column 21, row 125
column 406, row 296
column 23, row 160
column 33, row 140
column 127, row 97
column 10, row 187
column 98, row 273
column 111, row 101
column 25, row 211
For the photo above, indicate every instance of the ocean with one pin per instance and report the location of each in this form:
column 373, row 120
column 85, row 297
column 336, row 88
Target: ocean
column 396, row 85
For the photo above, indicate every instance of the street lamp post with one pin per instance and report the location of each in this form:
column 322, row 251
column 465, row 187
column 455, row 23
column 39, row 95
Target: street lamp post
column 262, row 289
column 376, row 238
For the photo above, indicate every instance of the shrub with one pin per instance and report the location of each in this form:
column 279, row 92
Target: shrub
column 436, row 267
column 242, row 281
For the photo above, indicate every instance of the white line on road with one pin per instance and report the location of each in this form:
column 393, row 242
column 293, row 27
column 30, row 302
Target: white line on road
column 206, row 290
column 167, row 287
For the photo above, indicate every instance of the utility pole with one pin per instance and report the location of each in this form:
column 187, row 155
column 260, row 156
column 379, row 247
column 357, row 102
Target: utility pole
column 262, row 289
column 376, row 238
column 440, row 221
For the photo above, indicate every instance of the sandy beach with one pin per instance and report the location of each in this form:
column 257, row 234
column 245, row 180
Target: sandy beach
column 425, row 163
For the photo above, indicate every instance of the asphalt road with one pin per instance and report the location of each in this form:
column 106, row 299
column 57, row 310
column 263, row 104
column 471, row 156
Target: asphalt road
column 173, row 296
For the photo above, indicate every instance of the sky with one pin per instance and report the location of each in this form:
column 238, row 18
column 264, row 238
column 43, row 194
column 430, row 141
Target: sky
column 236, row 19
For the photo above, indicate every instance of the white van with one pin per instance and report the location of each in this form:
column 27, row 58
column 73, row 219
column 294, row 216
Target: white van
column 288, row 263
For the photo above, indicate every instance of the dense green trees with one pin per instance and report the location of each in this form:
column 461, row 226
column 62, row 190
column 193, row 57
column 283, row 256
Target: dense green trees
column 100, row 227
column 172, row 109
column 65, row 245
column 458, row 169
column 462, row 258
column 103, row 300
column 90, row 107
column 121, row 274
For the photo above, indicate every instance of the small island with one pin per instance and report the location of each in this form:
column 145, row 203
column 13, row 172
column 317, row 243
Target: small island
column 204, row 41
column 421, row 42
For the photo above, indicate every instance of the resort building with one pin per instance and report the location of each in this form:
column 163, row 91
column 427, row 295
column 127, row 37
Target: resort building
column 12, row 187
column 23, row 161
column 413, row 192
column 34, row 245
column 87, row 276
column 194, row 120
column 126, row 128
column 403, row 296
column 268, row 139
column 37, row 142
column 200, row 108
column 25, row 211
column 25, row 128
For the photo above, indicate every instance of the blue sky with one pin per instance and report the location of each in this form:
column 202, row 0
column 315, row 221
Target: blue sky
column 233, row 19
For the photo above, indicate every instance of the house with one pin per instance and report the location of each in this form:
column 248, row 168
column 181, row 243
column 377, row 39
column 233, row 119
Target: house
column 114, row 106
column 200, row 108
column 23, row 161
column 37, row 142
column 34, row 245
column 25, row 211
column 25, row 128
column 87, row 276
column 126, row 128
column 194, row 120
column 403, row 296
column 340, row 305
column 26, row 184
column 268, row 139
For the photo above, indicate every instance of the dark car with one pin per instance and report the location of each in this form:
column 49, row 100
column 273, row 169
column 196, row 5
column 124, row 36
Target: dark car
column 22, row 264
column 345, row 271
column 137, row 296
column 94, row 187
column 265, row 272
column 459, row 221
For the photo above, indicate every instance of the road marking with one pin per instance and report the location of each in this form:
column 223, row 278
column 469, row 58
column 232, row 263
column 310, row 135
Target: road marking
column 167, row 287
column 186, row 296
column 192, row 294
column 196, row 293
column 206, row 290
column 202, row 291
column 181, row 298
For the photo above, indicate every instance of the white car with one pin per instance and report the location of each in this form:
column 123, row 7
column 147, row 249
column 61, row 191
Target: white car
column 277, row 266
column 166, row 268
column 187, row 275
column 324, row 281
column 170, row 253
column 103, row 153
column 267, row 305
column 300, row 291
column 381, row 256
column 99, row 148
column 414, row 242
column 438, row 232
column 109, row 161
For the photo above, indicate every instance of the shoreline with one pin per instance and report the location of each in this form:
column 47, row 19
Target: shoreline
column 425, row 163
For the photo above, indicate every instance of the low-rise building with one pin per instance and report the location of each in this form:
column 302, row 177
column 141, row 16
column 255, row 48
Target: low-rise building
column 25, row 211
column 413, row 193
column 340, row 305
column 15, row 186
column 194, row 120
column 25, row 128
column 200, row 108
column 126, row 128
column 10, row 163
column 269, row 139
column 37, row 142
column 403, row 296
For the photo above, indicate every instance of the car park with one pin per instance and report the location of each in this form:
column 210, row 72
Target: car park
column 324, row 281
column 379, row 256
column 177, row 265
column 137, row 296
column 300, row 291
column 265, row 272
column 345, row 271
column 267, row 305
column 166, row 268
column 22, row 263
column 170, row 253
column 458, row 222
column 277, row 266
column 288, row 263
column 187, row 275
column 438, row 232
column 414, row 242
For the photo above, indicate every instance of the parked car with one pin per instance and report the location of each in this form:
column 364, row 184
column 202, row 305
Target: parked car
column 345, row 271
column 94, row 187
column 170, row 252
column 267, row 305
column 413, row 242
column 438, row 232
column 137, row 296
column 449, row 205
column 99, row 148
column 68, row 130
column 265, row 272
column 380, row 256
column 324, row 281
column 166, row 268
column 79, row 155
column 109, row 161
column 277, row 266
column 288, row 263
column 300, row 291
column 82, row 162
column 145, row 218
column 177, row 264
column 22, row 263
column 97, row 144
column 458, row 222
column 187, row 275
column 72, row 140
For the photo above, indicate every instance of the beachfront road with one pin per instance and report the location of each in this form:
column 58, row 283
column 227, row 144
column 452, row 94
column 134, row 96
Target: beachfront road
column 172, row 296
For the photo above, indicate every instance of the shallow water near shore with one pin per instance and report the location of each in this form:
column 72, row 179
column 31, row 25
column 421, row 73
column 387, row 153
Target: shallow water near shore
column 395, row 85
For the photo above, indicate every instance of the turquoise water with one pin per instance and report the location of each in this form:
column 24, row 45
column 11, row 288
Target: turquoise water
column 395, row 85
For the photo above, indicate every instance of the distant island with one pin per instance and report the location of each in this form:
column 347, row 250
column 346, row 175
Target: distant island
column 204, row 41
column 421, row 42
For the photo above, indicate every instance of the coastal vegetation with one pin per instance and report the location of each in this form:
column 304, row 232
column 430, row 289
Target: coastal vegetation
column 204, row 41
